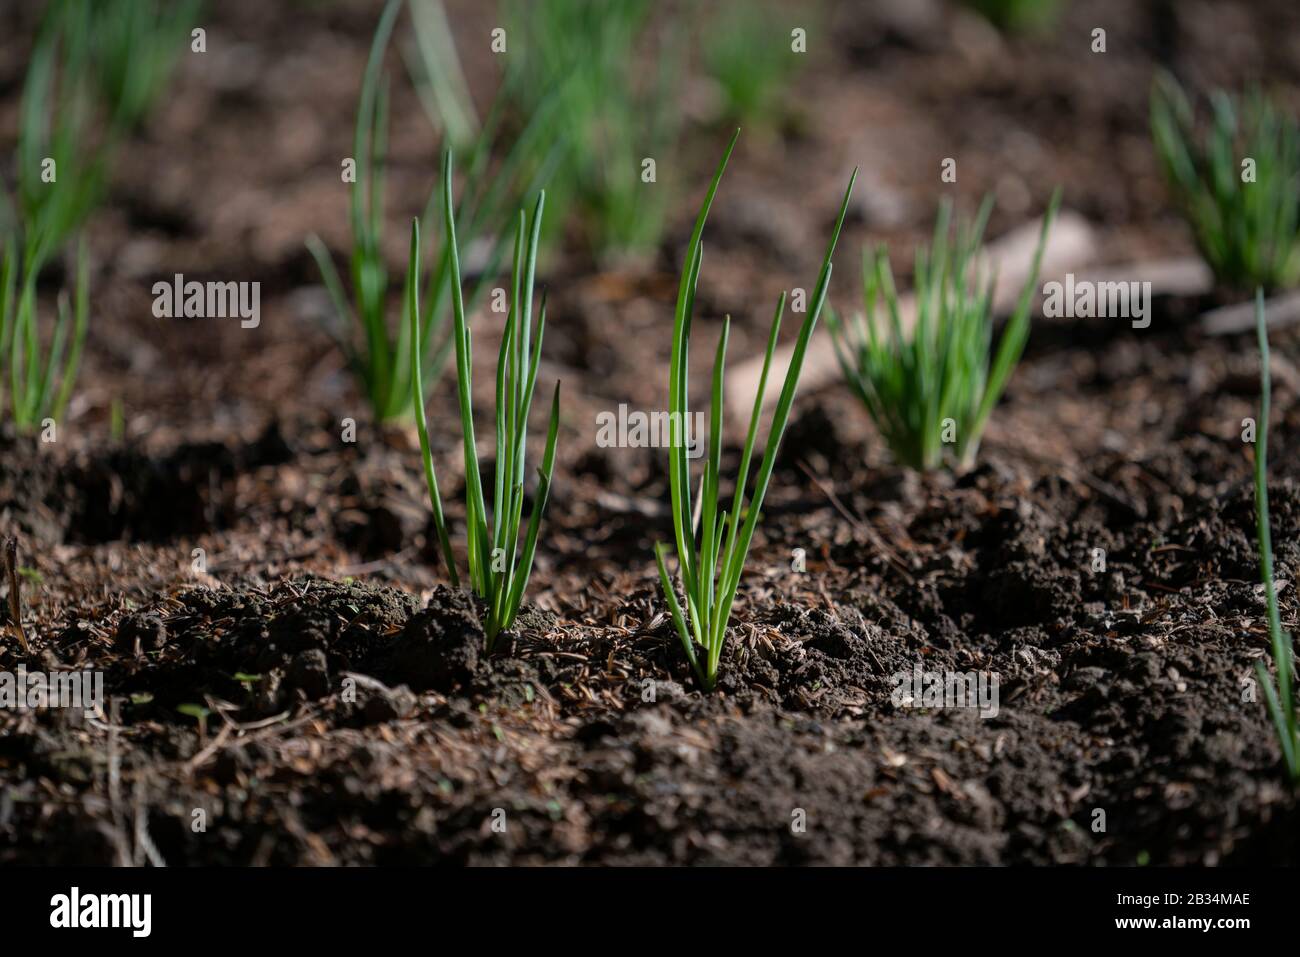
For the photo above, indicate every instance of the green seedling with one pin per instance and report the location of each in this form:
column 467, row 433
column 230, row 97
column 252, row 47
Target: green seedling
column 62, row 158
column 137, row 43
column 37, row 377
column 434, row 65
column 584, row 54
column 380, row 358
column 199, row 713
column 95, row 70
column 498, row 568
column 1237, row 181
column 711, row 564
column 930, row 390
column 1278, row 698
column 746, row 50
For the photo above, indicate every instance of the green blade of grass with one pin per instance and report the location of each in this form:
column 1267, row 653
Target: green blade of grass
column 747, row 453
column 1280, row 702
column 713, row 465
column 1012, row 345
column 422, row 426
column 503, row 477
column 68, row 377
column 479, row 541
column 675, row 609
column 678, row 407
column 544, row 475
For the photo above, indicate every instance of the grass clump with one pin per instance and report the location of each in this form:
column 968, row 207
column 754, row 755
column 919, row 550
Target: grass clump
column 498, row 567
column 588, row 55
column 138, row 43
column 1237, row 181
column 930, row 390
column 710, row 563
column 62, row 157
column 95, row 70
column 1278, row 698
column 746, row 51
column 37, row 378
column 381, row 357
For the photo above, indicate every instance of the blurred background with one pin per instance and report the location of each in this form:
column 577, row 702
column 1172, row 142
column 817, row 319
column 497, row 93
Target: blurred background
column 231, row 159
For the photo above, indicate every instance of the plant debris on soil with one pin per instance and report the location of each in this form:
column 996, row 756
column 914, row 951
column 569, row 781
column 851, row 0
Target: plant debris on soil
column 292, row 681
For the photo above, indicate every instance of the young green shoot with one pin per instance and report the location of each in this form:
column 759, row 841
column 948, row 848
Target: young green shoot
column 94, row 71
column 137, row 44
column 1278, row 698
column 62, row 161
column 381, row 363
column 746, row 51
column 499, row 567
column 710, row 564
column 930, row 390
column 380, row 358
column 1235, row 180
column 38, row 377
column 585, row 54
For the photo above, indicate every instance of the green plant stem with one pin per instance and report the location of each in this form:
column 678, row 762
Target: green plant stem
column 1280, row 701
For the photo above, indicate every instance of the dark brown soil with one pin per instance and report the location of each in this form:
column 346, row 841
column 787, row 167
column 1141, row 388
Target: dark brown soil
column 349, row 712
